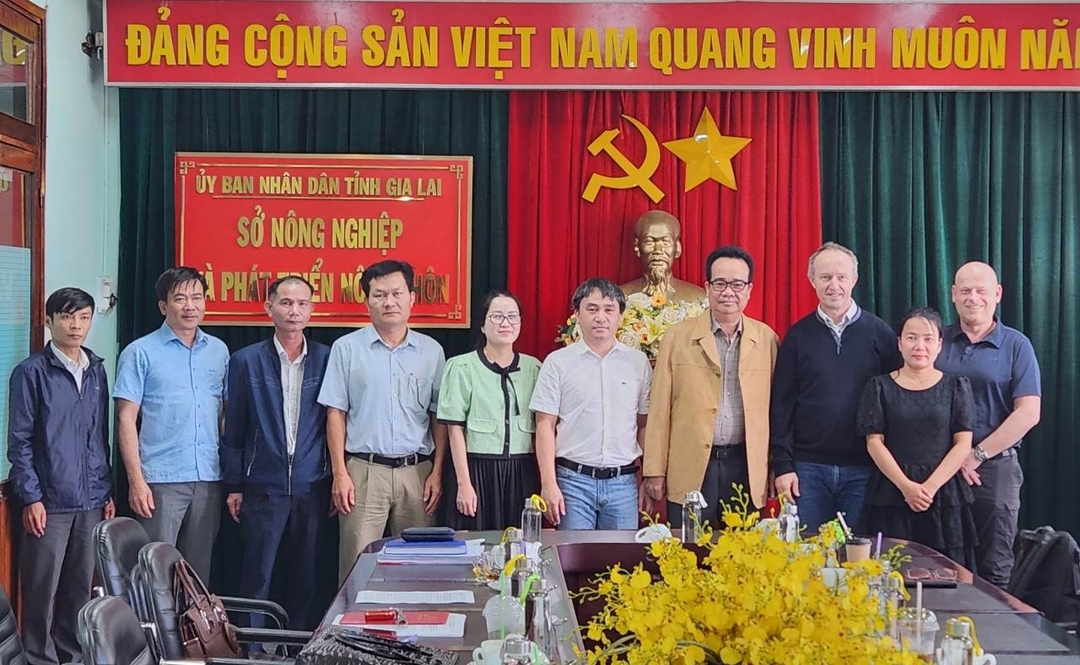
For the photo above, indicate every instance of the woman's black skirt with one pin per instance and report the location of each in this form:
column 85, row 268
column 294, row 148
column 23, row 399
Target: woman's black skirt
column 502, row 484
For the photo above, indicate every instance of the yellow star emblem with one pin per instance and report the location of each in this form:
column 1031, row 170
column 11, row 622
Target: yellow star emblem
column 708, row 153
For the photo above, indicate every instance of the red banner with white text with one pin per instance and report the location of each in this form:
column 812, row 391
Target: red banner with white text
column 736, row 45
column 246, row 219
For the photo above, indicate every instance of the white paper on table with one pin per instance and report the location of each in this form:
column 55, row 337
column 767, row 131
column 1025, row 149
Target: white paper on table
column 415, row 597
column 454, row 627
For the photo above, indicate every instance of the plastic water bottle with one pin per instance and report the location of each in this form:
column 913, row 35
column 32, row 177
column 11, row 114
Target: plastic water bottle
column 956, row 648
column 531, row 520
column 692, row 508
column 788, row 523
column 537, row 618
column 513, row 543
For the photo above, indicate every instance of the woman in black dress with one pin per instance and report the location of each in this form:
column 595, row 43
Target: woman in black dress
column 917, row 422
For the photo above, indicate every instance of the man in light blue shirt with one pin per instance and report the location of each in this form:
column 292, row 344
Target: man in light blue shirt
column 381, row 391
column 175, row 377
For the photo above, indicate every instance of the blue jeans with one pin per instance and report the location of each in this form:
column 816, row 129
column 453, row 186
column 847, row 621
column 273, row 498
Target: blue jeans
column 598, row 504
column 825, row 489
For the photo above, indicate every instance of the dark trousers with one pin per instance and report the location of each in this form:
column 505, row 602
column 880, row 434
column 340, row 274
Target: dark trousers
column 720, row 476
column 56, row 572
column 996, row 513
column 289, row 535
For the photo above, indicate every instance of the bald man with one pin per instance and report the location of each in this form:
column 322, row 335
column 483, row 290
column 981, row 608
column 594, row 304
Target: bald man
column 657, row 244
column 1004, row 374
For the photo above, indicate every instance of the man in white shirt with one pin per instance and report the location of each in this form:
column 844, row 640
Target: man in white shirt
column 590, row 400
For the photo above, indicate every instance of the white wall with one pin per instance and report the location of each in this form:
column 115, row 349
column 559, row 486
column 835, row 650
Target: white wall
column 82, row 165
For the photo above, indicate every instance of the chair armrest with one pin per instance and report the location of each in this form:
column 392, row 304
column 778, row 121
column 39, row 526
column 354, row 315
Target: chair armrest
column 241, row 661
column 265, row 607
column 273, row 635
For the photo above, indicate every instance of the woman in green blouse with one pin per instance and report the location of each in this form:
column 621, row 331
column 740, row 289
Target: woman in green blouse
column 484, row 400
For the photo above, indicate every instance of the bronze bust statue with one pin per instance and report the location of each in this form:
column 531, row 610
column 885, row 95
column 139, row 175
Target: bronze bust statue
column 657, row 244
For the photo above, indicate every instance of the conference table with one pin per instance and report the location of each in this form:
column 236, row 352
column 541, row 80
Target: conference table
column 1016, row 633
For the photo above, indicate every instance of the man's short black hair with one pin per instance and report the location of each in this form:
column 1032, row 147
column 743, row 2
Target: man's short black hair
column 68, row 300
column 271, row 290
column 729, row 252
column 384, row 268
column 174, row 277
column 606, row 287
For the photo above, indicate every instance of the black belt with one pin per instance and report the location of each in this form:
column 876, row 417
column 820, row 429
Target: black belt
column 727, row 452
column 392, row 462
column 1008, row 452
column 598, row 473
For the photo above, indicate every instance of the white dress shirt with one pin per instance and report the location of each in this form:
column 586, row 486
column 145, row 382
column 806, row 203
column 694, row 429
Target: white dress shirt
column 597, row 401
column 76, row 368
column 292, row 379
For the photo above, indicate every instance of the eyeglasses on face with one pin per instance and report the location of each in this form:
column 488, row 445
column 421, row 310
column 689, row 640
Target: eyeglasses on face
column 512, row 319
column 720, row 285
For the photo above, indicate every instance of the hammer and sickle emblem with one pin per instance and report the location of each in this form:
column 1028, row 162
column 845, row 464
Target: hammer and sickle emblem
column 636, row 176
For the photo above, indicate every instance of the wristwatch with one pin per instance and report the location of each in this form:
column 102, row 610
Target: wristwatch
column 979, row 453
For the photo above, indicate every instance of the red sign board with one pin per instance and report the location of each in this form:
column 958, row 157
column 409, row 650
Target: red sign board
column 731, row 45
column 246, row 219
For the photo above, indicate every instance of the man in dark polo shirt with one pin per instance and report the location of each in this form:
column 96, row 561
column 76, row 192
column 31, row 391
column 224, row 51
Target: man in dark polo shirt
column 1004, row 374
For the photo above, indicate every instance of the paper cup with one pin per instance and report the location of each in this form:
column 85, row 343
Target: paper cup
column 857, row 549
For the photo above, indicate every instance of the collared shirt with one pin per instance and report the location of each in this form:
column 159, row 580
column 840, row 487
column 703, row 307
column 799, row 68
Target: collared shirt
column 1001, row 367
column 730, row 427
column 597, row 401
column 292, row 380
column 76, row 368
column 180, row 393
column 386, row 393
column 837, row 329
column 490, row 402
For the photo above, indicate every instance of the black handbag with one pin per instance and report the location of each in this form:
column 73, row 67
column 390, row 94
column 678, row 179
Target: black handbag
column 342, row 646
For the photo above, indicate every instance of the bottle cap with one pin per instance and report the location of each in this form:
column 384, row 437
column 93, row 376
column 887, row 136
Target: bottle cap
column 695, row 497
column 956, row 628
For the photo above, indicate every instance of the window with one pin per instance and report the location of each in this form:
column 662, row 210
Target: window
column 22, row 149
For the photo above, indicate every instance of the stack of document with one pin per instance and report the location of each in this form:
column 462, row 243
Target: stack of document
column 446, row 552
column 399, row 547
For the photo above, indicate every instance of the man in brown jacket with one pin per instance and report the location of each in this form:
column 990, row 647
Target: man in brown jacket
column 708, row 424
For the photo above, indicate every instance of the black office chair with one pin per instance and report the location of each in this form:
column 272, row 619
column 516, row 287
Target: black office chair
column 117, row 543
column 153, row 579
column 11, row 646
column 110, row 634
column 116, row 549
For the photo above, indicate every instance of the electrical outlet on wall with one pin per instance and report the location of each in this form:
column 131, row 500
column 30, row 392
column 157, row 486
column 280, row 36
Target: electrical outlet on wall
column 106, row 296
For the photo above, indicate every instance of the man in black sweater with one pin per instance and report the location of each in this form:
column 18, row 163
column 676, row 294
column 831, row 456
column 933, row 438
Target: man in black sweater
column 824, row 362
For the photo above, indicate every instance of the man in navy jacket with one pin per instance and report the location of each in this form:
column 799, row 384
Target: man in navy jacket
column 58, row 446
column 273, row 460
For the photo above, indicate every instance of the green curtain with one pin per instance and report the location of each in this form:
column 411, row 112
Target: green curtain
column 919, row 183
column 157, row 123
